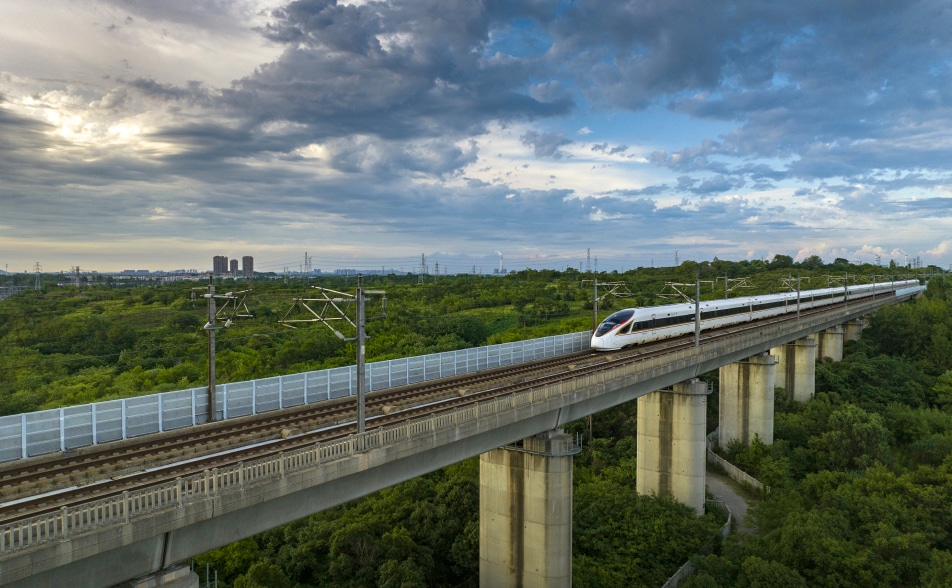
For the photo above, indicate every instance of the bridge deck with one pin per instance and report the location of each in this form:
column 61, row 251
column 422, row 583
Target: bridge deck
column 143, row 531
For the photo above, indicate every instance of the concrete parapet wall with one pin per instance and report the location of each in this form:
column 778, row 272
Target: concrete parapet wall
column 737, row 474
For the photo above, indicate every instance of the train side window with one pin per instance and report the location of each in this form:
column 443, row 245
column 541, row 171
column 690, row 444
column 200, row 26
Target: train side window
column 626, row 329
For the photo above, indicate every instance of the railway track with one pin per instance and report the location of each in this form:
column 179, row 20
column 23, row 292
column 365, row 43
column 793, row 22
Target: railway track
column 90, row 464
column 103, row 488
column 104, row 471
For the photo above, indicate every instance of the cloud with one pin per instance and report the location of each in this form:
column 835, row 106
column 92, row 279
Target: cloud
column 397, row 71
column 546, row 144
column 943, row 249
column 765, row 127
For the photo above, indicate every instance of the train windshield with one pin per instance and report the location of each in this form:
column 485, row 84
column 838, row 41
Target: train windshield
column 614, row 320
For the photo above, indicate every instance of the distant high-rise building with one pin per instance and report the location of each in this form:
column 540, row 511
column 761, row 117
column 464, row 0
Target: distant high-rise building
column 248, row 266
column 233, row 270
column 219, row 265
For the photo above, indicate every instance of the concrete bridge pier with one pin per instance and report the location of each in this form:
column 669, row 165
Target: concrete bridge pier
column 178, row 576
column 525, row 513
column 830, row 343
column 746, row 398
column 853, row 329
column 796, row 368
column 672, row 443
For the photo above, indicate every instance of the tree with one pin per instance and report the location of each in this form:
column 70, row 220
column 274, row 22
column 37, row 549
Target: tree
column 781, row 262
column 937, row 574
column 943, row 391
column 812, row 263
column 757, row 572
column 855, row 440
column 263, row 575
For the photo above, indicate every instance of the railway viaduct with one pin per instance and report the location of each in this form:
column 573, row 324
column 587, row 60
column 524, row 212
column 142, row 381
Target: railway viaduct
column 141, row 537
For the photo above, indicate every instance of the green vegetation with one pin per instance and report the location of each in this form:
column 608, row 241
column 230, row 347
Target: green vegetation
column 63, row 345
column 67, row 345
column 861, row 476
column 619, row 537
column 425, row 532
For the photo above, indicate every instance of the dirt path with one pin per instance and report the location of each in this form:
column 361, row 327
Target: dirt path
column 725, row 489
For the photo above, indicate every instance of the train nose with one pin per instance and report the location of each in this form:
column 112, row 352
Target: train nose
column 602, row 342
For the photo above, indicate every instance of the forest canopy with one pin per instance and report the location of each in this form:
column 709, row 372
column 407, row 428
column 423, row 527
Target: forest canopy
column 860, row 477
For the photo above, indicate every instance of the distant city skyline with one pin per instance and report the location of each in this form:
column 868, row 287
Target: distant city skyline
column 160, row 134
column 440, row 265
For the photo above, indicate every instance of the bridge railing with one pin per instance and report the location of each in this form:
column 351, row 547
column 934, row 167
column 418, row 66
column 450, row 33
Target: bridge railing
column 62, row 429
column 334, row 459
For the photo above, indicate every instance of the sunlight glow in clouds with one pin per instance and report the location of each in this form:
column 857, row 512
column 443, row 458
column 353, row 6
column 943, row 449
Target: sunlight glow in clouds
column 530, row 126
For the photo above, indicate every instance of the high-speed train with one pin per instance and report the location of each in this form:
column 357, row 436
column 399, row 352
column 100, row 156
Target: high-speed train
column 632, row 326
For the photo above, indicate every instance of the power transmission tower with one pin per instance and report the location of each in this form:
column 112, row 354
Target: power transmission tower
column 37, row 268
column 239, row 310
column 421, row 278
column 306, row 269
column 75, row 275
column 332, row 311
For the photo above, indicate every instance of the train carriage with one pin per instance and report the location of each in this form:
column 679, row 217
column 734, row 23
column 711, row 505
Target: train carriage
column 633, row 326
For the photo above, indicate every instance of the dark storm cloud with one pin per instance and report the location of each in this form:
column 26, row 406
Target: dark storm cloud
column 627, row 53
column 830, row 86
column 854, row 86
column 830, row 97
column 400, row 70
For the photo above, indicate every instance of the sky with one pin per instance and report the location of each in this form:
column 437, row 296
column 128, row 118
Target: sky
column 137, row 134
